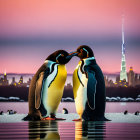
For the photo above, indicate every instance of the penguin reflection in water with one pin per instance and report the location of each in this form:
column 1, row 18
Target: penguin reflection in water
column 46, row 88
column 88, row 87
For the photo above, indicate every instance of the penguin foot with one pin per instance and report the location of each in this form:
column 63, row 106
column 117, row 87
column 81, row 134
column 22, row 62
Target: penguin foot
column 77, row 119
column 31, row 118
column 60, row 119
column 47, row 118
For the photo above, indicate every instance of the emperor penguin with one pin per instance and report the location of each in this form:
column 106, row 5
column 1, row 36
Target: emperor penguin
column 89, row 87
column 47, row 85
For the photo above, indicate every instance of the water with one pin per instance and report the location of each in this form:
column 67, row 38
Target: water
column 57, row 130
column 122, row 127
column 111, row 107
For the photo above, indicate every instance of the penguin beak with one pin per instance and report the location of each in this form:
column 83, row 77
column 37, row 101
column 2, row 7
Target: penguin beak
column 71, row 54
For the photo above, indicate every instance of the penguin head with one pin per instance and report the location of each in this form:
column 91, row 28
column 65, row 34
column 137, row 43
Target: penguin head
column 60, row 56
column 84, row 51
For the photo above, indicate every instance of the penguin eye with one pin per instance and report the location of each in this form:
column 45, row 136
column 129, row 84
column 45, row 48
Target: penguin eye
column 62, row 55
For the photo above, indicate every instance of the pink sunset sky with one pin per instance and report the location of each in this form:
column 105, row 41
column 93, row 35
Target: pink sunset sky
column 30, row 30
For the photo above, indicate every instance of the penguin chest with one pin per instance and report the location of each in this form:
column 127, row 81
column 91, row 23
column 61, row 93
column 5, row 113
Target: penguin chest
column 80, row 90
column 55, row 91
column 54, row 86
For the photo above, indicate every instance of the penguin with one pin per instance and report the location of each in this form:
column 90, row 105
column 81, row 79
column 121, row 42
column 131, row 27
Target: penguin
column 137, row 113
column 47, row 85
column 65, row 111
column 88, row 87
column 125, row 112
column 1, row 112
column 11, row 112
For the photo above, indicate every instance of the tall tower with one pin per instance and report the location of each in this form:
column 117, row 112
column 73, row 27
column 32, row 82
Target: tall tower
column 123, row 73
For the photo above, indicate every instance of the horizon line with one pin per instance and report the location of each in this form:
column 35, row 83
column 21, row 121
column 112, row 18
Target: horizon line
column 14, row 73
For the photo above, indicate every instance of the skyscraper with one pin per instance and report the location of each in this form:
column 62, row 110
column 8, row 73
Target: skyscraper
column 5, row 81
column 131, row 77
column 123, row 73
column 20, row 80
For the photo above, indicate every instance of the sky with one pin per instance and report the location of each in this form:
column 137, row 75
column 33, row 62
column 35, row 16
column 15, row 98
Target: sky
column 30, row 30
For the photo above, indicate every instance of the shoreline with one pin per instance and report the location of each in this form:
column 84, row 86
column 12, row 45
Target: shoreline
column 114, row 117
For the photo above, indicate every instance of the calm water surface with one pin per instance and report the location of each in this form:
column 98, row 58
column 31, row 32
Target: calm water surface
column 111, row 107
column 69, row 130
column 60, row 130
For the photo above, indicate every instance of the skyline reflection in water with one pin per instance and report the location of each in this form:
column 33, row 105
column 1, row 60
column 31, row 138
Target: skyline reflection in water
column 69, row 130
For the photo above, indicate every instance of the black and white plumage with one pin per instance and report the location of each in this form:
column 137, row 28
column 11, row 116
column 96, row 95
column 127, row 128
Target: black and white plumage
column 89, row 87
column 46, row 88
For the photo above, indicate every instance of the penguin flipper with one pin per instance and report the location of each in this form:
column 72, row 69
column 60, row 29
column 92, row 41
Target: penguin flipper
column 38, row 89
column 91, row 87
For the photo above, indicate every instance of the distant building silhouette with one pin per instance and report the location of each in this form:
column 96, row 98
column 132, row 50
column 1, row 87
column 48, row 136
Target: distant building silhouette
column 117, row 79
column 13, row 81
column 131, row 77
column 28, row 82
column 106, row 81
column 20, row 83
column 5, row 81
column 69, row 86
column 111, row 84
column 138, row 81
column 1, row 81
column 20, row 80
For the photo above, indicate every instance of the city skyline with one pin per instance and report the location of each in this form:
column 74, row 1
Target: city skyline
column 31, row 30
column 110, row 81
